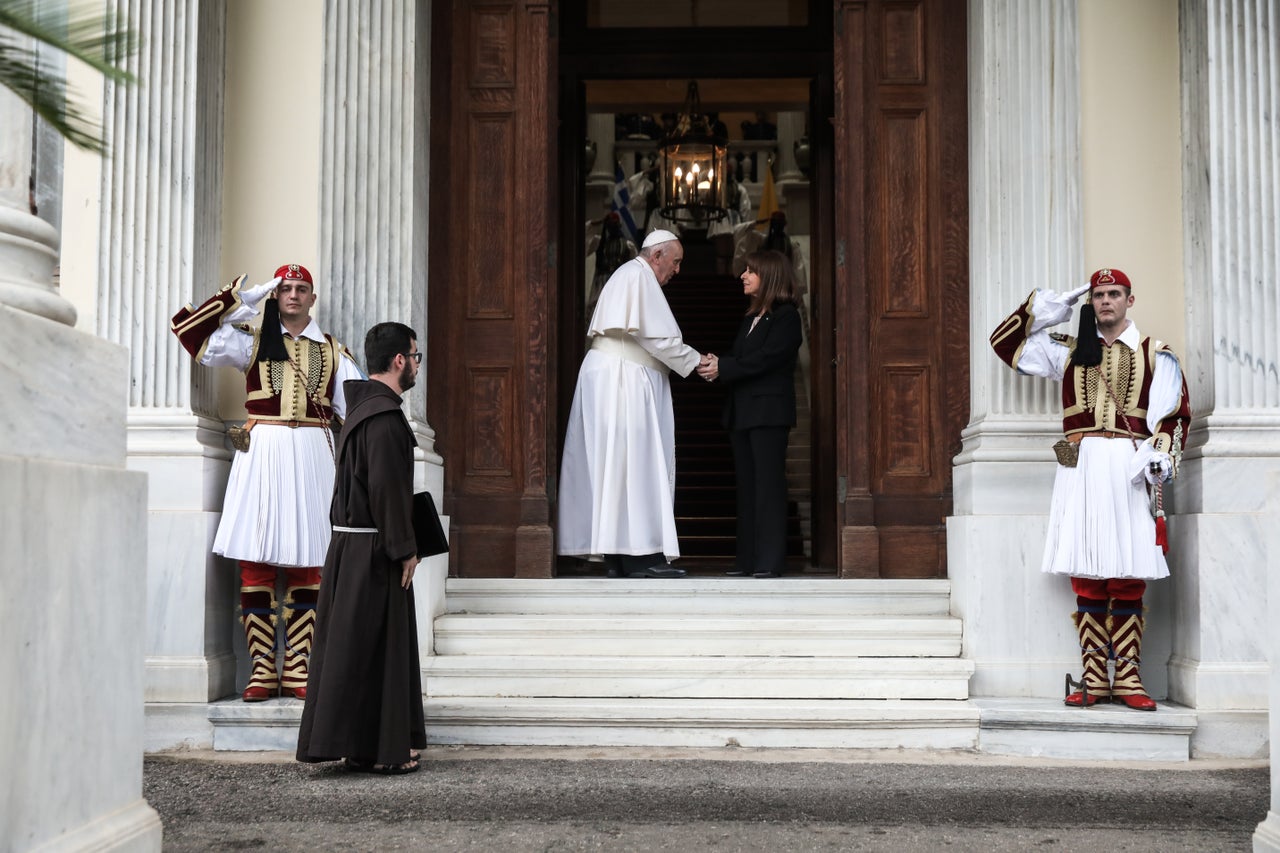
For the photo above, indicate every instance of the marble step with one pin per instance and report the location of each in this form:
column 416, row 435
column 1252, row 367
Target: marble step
column 698, row 636
column 1045, row 728
column 697, row 677
column 796, row 597
column 748, row 723
column 255, row 726
column 1026, row 728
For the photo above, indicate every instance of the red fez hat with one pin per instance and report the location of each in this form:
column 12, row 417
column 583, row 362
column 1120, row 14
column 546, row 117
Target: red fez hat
column 295, row 272
column 1105, row 276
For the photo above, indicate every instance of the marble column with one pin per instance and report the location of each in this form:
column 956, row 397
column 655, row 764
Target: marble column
column 71, row 517
column 792, row 185
column 1025, row 231
column 601, row 130
column 161, row 228
column 600, row 181
column 374, row 214
column 1230, row 481
column 790, row 129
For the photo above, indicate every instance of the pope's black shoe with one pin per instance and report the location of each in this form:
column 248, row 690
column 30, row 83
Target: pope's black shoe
column 662, row 570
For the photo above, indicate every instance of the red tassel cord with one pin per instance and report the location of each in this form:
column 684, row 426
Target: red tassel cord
column 1162, row 531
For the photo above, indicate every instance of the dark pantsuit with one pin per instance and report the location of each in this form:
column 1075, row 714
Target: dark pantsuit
column 759, row 464
column 759, row 414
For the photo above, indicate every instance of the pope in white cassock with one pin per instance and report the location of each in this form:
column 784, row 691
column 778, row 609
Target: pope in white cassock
column 618, row 473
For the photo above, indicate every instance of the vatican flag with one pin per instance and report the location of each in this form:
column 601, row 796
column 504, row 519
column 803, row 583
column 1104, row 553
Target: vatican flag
column 768, row 200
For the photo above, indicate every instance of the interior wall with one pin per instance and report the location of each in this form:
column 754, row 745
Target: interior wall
column 271, row 166
column 1131, row 149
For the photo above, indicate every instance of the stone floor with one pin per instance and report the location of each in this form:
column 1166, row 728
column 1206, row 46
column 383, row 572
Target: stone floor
column 524, row 798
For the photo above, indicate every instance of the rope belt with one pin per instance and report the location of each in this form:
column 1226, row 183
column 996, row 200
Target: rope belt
column 337, row 528
column 627, row 350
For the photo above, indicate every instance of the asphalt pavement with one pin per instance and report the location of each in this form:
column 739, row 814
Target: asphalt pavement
column 515, row 799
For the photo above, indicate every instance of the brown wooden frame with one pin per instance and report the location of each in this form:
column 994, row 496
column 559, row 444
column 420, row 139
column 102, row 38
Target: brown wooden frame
column 890, row 331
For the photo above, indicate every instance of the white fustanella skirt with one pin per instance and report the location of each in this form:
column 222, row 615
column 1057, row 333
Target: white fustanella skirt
column 1100, row 523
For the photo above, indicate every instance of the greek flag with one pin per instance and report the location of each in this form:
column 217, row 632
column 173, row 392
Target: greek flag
column 621, row 203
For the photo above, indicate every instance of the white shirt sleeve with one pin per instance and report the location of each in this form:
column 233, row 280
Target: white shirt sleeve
column 347, row 369
column 1166, row 389
column 229, row 347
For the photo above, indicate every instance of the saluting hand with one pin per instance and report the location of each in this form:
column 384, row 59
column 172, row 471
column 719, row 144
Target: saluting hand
column 251, row 296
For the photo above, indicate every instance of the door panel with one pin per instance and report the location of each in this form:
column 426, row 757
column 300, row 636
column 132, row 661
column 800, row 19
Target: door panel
column 490, row 273
column 901, row 180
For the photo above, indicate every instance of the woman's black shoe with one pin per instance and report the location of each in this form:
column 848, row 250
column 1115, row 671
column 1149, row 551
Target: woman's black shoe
column 738, row 573
column 767, row 575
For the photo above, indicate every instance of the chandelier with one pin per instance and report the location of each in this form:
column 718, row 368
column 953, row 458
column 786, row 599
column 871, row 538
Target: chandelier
column 694, row 190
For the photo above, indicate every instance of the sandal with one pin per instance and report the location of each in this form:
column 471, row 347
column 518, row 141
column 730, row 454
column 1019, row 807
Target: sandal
column 356, row 766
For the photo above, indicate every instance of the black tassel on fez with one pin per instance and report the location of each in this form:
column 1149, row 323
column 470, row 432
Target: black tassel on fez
column 1088, row 351
column 271, row 343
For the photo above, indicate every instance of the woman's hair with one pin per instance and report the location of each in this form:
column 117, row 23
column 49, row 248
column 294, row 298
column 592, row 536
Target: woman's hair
column 774, row 270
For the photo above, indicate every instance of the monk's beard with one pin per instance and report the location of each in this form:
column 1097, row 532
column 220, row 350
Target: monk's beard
column 406, row 377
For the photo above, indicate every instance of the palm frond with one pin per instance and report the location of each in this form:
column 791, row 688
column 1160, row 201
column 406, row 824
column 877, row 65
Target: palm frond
column 83, row 31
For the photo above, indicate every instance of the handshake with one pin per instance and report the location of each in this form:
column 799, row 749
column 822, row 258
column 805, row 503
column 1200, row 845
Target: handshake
column 709, row 366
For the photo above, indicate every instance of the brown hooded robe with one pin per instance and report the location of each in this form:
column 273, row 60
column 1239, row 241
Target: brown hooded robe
column 364, row 689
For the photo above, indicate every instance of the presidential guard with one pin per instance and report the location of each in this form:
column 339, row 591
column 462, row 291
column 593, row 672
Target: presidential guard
column 275, row 516
column 1125, row 419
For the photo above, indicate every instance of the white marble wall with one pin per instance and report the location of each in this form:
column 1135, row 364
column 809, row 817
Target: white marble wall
column 376, row 87
column 1025, row 232
column 160, row 233
column 71, row 617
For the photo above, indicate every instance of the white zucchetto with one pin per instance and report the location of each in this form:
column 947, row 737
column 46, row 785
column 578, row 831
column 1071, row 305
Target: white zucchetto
column 658, row 236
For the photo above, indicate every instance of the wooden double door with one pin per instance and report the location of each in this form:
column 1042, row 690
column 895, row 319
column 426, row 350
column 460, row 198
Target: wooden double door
column 888, row 262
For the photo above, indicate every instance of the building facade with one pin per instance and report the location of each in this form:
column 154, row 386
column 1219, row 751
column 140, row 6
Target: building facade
column 419, row 157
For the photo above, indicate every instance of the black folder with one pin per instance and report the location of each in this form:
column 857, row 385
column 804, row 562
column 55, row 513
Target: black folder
column 427, row 528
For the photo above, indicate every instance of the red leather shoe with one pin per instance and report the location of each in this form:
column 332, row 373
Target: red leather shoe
column 256, row 694
column 1138, row 702
column 1077, row 699
column 297, row 692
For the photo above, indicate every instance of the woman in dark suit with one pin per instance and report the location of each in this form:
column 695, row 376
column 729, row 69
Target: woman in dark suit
column 761, row 410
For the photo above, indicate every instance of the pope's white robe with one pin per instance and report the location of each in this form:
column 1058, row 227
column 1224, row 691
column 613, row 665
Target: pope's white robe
column 618, row 471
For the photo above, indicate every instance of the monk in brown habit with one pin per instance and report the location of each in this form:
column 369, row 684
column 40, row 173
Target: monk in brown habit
column 364, row 691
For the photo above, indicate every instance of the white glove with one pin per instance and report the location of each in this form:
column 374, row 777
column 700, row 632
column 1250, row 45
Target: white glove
column 1159, row 468
column 1073, row 296
column 251, row 296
